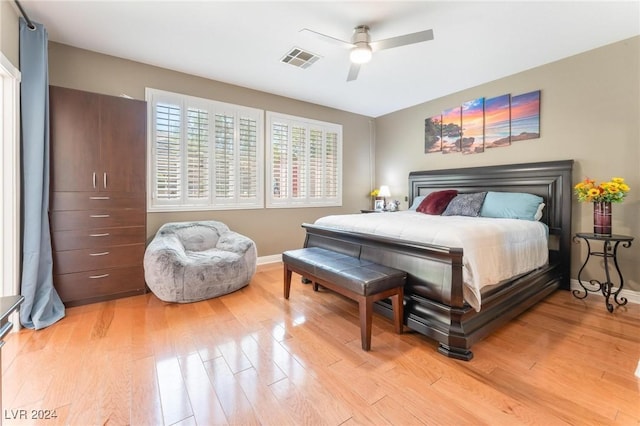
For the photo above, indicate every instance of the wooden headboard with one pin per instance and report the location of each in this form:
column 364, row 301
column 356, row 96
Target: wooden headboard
column 551, row 180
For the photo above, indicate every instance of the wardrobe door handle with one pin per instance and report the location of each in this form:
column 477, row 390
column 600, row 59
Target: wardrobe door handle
column 94, row 180
column 98, row 215
column 93, row 277
column 104, row 180
column 106, row 234
column 104, row 253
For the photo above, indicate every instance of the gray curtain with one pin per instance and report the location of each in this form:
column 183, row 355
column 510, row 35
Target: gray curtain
column 42, row 305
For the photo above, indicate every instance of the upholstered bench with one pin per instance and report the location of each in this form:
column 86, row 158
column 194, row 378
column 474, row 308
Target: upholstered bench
column 360, row 280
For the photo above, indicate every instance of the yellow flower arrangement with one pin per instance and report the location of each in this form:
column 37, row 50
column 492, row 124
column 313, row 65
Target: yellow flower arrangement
column 612, row 191
column 375, row 193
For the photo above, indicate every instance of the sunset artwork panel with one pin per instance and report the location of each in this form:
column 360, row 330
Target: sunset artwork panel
column 484, row 123
column 451, row 130
column 433, row 134
column 497, row 122
column 472, row 141
column 525, row 116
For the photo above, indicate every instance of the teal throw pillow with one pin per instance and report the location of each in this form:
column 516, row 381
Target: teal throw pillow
column 512, row 205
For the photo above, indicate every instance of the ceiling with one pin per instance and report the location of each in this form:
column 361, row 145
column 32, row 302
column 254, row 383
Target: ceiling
column 242, row 43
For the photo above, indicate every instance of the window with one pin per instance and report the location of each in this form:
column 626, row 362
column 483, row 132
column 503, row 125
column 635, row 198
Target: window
column 9, row 173
column 204, row 154
column 304, row 159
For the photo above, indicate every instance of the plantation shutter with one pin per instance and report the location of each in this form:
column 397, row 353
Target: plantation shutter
column 168, row 156
column 315, row 164
column 197, row 154
column 298, row 163
column 224, row 157
column 204, row 154
column 331, row 166
column 248, row 159
column 305, row 162
column 280, row 160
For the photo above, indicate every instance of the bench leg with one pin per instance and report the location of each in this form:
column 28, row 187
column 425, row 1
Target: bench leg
column 287, row 281
column 365, row 304
column 397, row 303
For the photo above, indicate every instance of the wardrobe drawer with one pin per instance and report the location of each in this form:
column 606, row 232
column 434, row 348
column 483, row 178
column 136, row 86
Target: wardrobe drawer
column 98, row 238
column 99, row 285
column 96, row 201
column 69, row 261
column 93, row 219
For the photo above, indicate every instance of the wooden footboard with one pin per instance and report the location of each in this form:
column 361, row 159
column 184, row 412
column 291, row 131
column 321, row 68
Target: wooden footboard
column 414, row 258
column 436, row 308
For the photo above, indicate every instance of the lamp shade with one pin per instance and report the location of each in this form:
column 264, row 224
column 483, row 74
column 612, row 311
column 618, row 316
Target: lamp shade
column 361, row 54
column 384, row 191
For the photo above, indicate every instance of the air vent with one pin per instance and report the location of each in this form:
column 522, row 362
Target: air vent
column 300, row 58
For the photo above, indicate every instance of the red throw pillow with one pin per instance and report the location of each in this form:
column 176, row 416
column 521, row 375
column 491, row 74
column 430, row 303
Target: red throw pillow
column 437, row 202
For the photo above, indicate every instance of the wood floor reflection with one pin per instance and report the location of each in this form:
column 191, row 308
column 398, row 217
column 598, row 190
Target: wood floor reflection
column 253, row 358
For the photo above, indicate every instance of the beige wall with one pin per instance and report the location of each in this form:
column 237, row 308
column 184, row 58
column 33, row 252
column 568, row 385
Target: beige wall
column 589, row 112
column 273, row 230
column 9, row 32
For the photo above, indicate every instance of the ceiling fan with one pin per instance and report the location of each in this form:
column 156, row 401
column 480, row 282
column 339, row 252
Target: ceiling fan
column 362, row 47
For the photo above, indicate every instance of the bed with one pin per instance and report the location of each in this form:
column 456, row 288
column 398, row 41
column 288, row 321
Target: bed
column 440, row 308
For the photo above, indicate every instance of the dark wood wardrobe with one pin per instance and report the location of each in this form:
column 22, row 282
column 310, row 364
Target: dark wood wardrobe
column 97, row 205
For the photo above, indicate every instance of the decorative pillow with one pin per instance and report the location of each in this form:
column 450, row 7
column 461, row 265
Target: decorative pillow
column 538, row 214
column 437, row 202
column 416, row 202
column 512, row 205
column 465, row 205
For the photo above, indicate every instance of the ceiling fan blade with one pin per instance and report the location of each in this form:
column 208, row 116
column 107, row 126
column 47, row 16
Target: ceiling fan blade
column 326, row 37
column 403, row 40
column 353, row 72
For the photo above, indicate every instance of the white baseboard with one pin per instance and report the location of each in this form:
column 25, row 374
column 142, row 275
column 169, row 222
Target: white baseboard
column 630, row 295
column 274, row 258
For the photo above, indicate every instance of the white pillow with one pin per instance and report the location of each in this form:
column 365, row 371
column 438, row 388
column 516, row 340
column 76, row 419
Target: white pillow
column 538, row 214
column 416, row 202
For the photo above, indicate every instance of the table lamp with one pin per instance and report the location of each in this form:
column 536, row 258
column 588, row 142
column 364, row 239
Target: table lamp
column 384, row 193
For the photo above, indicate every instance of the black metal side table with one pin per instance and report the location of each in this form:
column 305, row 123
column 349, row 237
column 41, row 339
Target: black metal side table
column 609, row 252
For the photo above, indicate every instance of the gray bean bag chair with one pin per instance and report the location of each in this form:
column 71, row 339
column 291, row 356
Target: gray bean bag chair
column 191, row 261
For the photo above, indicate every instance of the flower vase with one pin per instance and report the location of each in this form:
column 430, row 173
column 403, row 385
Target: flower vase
column 602, row 218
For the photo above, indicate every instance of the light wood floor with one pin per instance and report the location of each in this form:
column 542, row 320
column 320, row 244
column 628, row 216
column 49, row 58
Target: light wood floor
column 253, row 358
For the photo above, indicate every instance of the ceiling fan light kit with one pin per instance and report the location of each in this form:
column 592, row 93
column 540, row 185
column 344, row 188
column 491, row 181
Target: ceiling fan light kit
column 361, row 54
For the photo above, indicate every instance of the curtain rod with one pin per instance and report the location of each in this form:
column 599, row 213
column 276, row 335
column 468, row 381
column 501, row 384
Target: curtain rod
column 24, row 15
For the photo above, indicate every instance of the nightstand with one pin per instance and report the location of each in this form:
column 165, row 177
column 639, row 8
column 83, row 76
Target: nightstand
column 609, row 253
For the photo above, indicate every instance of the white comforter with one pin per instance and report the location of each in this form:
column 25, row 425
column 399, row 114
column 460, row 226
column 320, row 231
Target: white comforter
column 493, row 249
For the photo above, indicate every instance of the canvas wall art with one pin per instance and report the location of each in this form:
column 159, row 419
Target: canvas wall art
column 433, row 134
column 497, row 122
column 484, row 123
column 451, row 130
column 472, row 141
column 525, row 116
